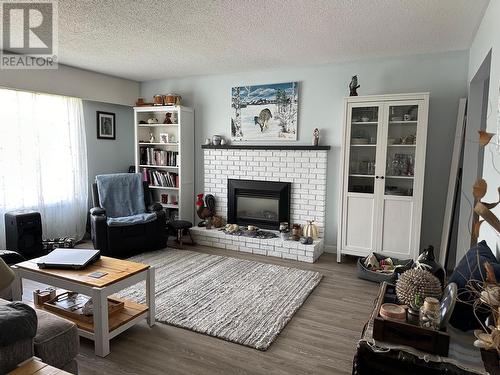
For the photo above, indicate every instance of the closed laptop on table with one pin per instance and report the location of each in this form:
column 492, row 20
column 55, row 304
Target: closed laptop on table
column 69, row 258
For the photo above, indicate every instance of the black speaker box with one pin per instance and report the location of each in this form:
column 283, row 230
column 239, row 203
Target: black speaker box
column 23, row 233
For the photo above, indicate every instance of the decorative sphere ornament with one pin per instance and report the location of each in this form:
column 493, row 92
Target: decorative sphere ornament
column 417, row 281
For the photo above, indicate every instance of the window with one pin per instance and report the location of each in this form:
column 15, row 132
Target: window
column 43, row 159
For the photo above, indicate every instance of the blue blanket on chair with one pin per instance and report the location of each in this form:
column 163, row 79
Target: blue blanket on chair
column 122, row 196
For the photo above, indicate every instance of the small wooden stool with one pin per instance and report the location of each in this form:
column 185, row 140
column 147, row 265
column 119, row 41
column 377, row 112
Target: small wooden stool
column 180, row 228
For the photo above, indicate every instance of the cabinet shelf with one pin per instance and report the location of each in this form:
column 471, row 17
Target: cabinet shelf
column 158, row 166
column 366, row 145
column 399, row 145
column 169, row 205
column 403, row 122
column 157, row 125
column 158, row 144
column 361, row 175
column 401, row 177
column 365, row 122
column 163, row 187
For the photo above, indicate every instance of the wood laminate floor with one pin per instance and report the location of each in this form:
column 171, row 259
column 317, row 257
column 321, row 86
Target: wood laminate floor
column 320, row 339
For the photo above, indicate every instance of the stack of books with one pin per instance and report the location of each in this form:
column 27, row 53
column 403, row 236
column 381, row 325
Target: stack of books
column 158, row 178
column 152, row 156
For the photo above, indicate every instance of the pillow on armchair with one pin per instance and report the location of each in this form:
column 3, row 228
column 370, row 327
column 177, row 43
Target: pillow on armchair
column 471, row 267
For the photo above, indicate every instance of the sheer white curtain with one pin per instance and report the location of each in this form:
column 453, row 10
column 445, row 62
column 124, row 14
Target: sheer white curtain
column 43, row 161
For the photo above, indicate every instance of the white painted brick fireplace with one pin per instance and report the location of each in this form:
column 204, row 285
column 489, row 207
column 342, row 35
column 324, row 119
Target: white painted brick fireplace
column 304, row 167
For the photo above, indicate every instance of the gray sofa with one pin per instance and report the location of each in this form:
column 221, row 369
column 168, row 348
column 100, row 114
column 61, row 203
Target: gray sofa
column 56, row 343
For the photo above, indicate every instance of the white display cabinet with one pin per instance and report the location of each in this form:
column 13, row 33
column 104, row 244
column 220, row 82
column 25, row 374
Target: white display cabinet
column 383, row 162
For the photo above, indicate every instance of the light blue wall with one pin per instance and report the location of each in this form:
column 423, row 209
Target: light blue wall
column 103, row 155
column 322, row 89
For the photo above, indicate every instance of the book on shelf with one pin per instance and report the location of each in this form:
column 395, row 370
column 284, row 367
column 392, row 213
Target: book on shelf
column 159, row 157
column 160, row 178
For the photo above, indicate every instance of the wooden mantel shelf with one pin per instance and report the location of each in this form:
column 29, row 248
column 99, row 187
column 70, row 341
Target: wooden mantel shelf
column 266, row 147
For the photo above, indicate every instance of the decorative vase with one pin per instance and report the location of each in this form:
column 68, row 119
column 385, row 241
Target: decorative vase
column 311, row 230
column 172, row 99
column 284, row 230
column 296, row 232
column 427, row 261
column 216, row 139
column 158, row 100
column 315, row 141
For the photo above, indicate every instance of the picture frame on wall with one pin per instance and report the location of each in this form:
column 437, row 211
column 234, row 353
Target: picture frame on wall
column 265, row 112
column 106, row 125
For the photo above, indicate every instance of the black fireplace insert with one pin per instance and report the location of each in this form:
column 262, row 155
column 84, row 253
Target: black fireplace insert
column 260, row 203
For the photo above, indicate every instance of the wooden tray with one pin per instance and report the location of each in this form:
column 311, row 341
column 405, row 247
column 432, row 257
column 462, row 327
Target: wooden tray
column 427, row 340
column 113, row 307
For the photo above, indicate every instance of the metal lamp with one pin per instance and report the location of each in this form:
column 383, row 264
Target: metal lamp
column 6, row 275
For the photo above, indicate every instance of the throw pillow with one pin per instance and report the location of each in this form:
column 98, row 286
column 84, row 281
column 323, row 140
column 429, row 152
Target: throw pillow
column 471, row 267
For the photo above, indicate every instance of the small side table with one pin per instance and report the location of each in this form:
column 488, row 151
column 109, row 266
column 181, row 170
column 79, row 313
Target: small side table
column 35, row 366
column 180, row 228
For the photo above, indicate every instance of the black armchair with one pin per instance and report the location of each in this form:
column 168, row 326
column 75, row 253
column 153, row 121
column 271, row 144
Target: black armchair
column 127, row 240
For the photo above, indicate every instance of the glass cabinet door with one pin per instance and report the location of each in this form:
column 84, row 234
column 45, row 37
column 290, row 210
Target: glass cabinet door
column 362, row 149
column 401, row 145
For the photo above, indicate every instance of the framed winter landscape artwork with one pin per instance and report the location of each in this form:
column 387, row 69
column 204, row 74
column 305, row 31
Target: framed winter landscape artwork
column 264, row 112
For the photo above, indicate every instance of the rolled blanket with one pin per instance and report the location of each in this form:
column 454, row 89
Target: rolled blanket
column 18, row 322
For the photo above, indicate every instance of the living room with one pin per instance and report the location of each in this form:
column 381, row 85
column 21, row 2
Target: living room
column 201, row 187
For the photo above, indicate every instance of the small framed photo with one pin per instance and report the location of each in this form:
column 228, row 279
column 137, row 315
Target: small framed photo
column 164, row 138
column 106, row 126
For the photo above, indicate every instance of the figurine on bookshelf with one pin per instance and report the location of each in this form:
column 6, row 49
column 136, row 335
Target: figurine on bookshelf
column 151, row 138
column 168, row 118
column 164, row 137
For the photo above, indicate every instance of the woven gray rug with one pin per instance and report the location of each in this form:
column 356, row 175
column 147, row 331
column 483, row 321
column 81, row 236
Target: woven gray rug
column 242, row 301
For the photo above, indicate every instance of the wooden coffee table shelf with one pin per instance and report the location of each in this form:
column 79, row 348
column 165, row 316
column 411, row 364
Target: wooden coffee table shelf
column 120, row 275
column 130, row 311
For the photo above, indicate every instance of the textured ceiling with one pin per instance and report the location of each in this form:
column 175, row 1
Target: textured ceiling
column 146, row 39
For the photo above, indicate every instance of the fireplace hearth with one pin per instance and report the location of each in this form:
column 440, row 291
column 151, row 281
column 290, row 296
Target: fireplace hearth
column 260, row 203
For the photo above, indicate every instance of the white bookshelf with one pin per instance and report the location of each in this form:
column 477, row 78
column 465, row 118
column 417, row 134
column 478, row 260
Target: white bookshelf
column 183, row 132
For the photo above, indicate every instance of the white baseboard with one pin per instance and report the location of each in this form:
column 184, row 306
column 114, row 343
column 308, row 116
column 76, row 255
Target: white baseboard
column 330, row 249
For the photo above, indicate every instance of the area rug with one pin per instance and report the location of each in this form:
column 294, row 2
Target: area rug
column 237, row 300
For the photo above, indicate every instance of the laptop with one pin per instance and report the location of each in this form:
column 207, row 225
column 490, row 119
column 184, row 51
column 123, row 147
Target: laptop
column 75, row 259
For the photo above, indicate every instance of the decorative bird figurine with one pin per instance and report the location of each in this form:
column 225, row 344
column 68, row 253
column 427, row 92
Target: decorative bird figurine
column 353, row 86
column 210, row 203
column 202, row 211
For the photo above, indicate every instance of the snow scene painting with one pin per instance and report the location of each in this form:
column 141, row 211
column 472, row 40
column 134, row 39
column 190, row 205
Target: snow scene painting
column 265, row 112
